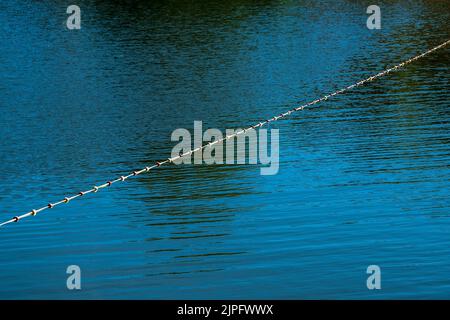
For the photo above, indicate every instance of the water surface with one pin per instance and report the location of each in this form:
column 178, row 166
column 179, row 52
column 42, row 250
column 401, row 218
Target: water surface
column 364, row 178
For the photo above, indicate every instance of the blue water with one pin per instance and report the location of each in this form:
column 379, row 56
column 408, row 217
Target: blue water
column 364, row 178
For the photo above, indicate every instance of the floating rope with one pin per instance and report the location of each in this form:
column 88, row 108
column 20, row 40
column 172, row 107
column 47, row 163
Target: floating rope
column 190, row 152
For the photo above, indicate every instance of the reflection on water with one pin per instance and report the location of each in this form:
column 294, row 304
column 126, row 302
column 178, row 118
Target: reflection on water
column 363, row 178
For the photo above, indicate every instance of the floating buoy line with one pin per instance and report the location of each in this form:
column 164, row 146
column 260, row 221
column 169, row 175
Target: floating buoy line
column 157, row 164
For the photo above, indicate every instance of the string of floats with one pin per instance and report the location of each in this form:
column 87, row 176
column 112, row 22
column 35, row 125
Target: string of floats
column 158, row 164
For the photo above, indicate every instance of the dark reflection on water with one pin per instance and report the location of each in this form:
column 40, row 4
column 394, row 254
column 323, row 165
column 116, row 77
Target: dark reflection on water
column 363, row 178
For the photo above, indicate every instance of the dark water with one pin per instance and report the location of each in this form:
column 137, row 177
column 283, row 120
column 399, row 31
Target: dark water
column 364, row 178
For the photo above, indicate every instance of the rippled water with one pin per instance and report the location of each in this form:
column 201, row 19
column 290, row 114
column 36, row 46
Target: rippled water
column 364, row 178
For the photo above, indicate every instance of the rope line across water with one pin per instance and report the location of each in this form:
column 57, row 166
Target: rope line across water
column 188, row 153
